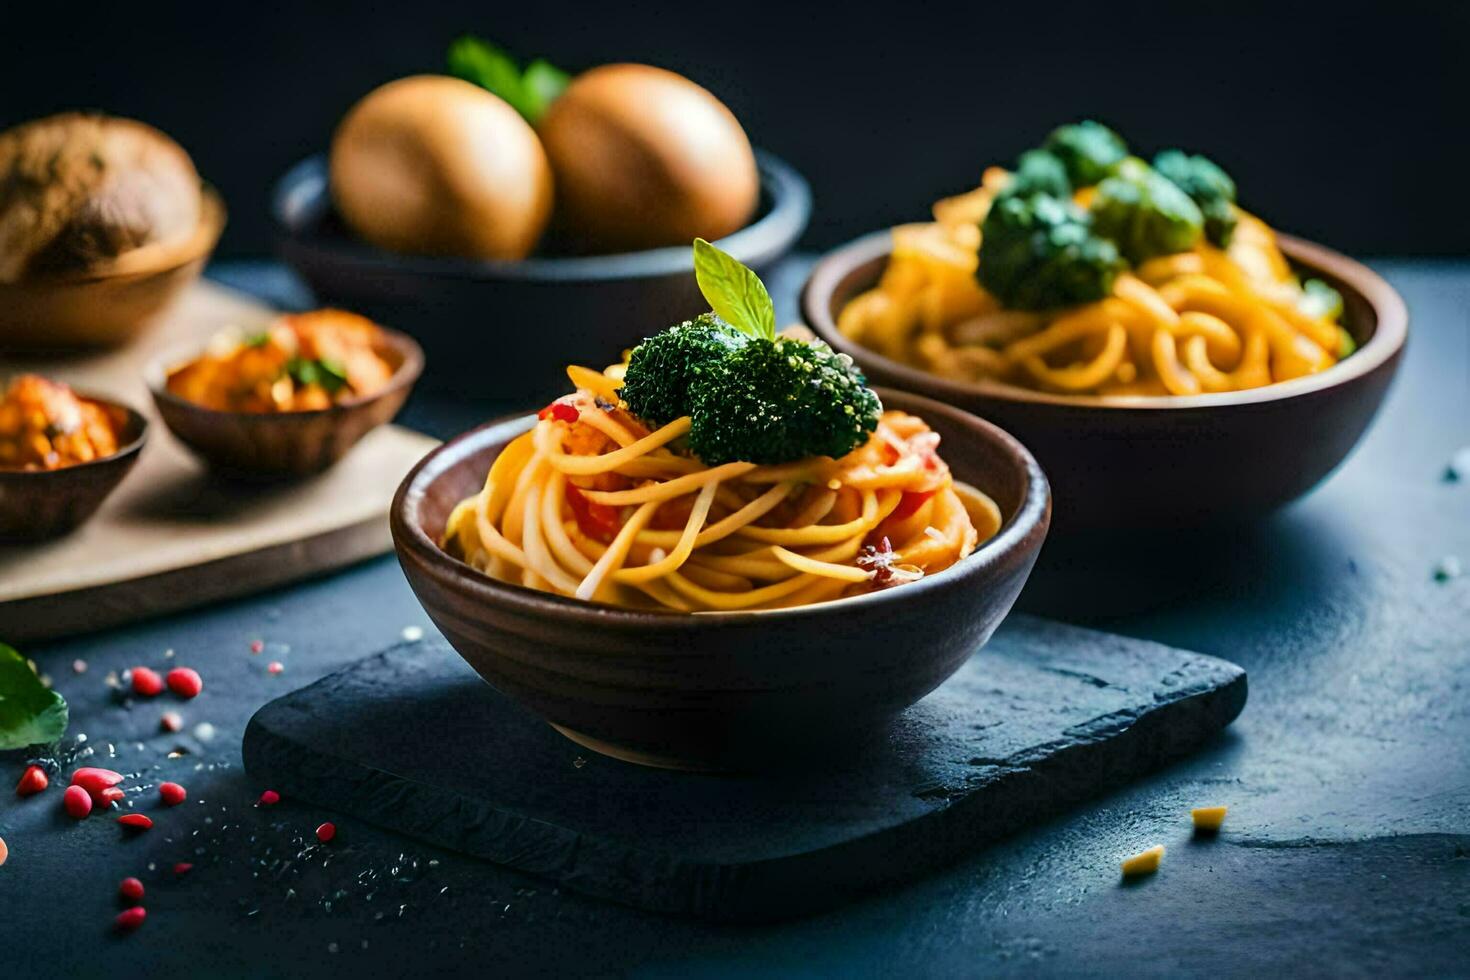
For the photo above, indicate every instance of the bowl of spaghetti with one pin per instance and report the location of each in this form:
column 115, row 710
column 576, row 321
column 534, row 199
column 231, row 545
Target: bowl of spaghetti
column 1194, row 367
column 686, row 590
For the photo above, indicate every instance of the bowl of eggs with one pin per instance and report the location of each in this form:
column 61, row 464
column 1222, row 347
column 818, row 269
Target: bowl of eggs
column 510, row 218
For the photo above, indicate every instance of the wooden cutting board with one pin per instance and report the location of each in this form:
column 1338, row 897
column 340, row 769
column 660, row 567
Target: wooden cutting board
column 1043, row 716
column 170, row 536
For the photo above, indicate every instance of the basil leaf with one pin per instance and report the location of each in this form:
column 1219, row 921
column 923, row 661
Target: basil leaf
column 542, row 84
column 530, row 93
column 734, row 292
column 30, row 713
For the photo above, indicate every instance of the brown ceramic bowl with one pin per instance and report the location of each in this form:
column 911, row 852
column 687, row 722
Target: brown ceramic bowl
column 1150, row 462
column 722, row 690
column 108, row 307
column 40, row 504
column 283, row 444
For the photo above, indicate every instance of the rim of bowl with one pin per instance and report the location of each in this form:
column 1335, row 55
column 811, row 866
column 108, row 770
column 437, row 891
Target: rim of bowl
column 156, row 372
column 131, row 448
column 294, row 205
column 1389, row 335
column 1032, row 517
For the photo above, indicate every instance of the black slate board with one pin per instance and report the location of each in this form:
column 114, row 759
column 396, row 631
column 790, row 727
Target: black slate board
column 1045, row 715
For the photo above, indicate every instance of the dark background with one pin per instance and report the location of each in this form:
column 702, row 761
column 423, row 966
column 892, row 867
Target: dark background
column 1345, row 123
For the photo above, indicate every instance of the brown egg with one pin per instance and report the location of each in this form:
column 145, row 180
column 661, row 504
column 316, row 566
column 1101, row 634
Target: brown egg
column 644, row 157
column 437, row 166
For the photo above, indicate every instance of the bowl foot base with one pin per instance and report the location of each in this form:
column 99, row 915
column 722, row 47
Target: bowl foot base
column 639, row 757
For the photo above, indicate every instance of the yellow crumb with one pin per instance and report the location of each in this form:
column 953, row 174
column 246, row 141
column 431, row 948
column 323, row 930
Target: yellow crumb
column 1143, row 863
column 1208, row 818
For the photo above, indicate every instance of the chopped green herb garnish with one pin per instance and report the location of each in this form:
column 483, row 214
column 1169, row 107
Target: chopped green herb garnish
column 326, row 373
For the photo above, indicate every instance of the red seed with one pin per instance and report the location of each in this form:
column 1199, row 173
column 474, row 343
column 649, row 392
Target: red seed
column 129, row 919
column 182, row 868
column 135, row 821
column 110, row 795
column 326, row 832
column 185, row 682
column 77, row 802
column 146, row 682
column 173, row 794
column 171, row 721
column 131, row 890
column 32, row 781
column 270, row 798
column 94, row 780
column 275, row 667
column 4, row 851
column 256, row 646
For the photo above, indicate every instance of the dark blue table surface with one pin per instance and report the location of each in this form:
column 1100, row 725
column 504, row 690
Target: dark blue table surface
column 1346, row 851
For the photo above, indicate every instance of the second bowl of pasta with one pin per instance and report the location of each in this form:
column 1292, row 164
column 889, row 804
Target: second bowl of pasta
column 1169, row 358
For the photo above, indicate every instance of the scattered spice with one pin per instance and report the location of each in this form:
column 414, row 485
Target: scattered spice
column 146, row 682
column 185, row 682
column 136, row 821
column 275, row 667
column 1207, row 819
column 880, row 560
column 129, row 919
column 173, row 794
column 32, row 781
column 182, row 868
column 171, row 721
column 326, row 832
column 79, row 666
column 131, row 890
column 110, row 795
column 96, row 781
column 77, row 802
column 270, row 798
column 4, row 851
column 1144, row 862
column 256, row 646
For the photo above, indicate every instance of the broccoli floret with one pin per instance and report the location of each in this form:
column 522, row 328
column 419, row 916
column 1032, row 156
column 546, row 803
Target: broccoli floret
column 1208, row 186
column 774, row 401
column 1145, row 214
column 1038, row 252
column 664, row 368
column 1089, row 150
column 1040, row 172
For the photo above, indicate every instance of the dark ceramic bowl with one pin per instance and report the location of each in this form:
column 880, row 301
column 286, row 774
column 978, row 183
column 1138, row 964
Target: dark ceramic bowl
column 40, row 504
column 722, row 690
column 282, row 444
column 510, row 328
column 1150, row 462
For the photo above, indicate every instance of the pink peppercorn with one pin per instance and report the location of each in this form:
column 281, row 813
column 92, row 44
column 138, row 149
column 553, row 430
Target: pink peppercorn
column 326, row 832
column 185, row 682
column 171, row 721
column 129, row 919
column 96, row 781
column 146, row 682
column 172, row 793
column 256, row 646
column 32, row 781
column 182, row 868
column 275, row 667
column 270, row 798
column 131, row 890
column 77, row 802
column 135, row 821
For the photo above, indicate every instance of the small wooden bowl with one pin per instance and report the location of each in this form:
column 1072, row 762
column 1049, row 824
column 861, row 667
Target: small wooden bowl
column 1162, row 461
column 722, row 690
column 283, row 444
column 40, row 504
column 110, row 306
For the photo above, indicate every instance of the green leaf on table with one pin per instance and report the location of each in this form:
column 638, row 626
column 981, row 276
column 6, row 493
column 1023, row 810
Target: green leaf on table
column 734, row 292
column 530, row 93
column 30, row 712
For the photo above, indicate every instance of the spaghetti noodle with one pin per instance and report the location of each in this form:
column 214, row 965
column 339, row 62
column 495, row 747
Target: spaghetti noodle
column 592, row 503
column 1194, row 322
